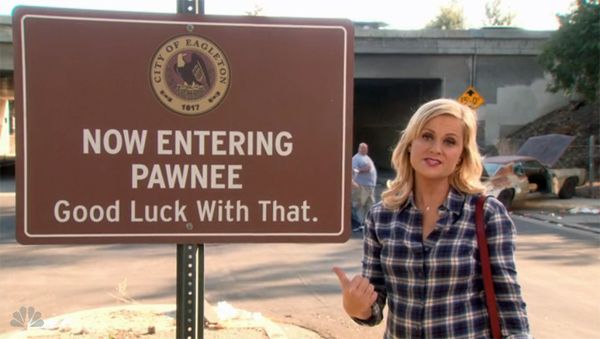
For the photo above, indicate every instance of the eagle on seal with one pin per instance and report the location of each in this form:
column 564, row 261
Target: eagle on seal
column 191, row 70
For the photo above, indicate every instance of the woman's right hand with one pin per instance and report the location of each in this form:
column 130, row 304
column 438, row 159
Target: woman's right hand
column 358, row 294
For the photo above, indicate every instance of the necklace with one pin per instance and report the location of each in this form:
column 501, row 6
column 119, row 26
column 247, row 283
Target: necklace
column 424, row 206
column 432, row 199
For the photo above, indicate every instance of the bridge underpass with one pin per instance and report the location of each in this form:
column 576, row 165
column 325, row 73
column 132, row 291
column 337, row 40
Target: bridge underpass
column 382, row 108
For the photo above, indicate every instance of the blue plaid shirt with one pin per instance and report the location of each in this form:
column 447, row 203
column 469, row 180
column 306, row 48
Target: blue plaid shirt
column 434, row 287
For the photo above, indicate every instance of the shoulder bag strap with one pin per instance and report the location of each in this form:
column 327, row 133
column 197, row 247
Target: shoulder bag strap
column 486, row 269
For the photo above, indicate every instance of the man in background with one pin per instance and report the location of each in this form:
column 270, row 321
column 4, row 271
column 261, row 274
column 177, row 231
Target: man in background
column 365, row 177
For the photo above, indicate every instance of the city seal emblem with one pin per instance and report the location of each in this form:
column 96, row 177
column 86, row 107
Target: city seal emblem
column 190, row 75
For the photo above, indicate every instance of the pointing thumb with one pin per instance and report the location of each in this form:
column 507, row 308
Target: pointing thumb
column 344, row 281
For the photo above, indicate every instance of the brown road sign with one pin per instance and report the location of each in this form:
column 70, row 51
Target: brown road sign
column 471, row 98
column 172, row 129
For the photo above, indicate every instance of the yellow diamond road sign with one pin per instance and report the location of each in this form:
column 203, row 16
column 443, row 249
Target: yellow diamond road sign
column 471, row 98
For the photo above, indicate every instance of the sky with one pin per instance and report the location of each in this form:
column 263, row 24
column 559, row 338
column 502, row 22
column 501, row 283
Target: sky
column 398, row 14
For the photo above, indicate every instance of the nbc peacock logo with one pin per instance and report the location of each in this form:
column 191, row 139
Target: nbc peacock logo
column 27, row 317
column 190, row 75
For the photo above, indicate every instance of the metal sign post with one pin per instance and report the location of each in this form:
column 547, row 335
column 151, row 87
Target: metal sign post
column 190, row 257
column 190, row 291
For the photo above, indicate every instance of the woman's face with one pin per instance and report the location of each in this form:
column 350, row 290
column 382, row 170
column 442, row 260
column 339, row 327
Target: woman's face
column 437, row 150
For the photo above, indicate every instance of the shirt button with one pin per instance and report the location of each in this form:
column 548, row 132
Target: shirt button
column 426, row 249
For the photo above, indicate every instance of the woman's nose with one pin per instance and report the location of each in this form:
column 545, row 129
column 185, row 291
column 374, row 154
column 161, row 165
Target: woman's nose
column 436, row 147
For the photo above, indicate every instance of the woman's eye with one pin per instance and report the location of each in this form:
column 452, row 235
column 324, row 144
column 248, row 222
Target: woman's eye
column 450, row 142
column 427, row 136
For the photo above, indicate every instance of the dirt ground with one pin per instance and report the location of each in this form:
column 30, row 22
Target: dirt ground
column 152, row 321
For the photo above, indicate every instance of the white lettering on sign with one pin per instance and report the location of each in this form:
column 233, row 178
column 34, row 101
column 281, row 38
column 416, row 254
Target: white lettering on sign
column 112, row 141
column 215, row 176
column 282, row 213
column 64, row 212
column 189, row 142
column 217, row 141
column 223, row 143
column 222, row 210
column 158, row 213
column 191, row 175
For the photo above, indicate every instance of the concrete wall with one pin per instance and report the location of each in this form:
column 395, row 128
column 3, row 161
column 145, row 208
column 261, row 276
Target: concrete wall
column 517, row 105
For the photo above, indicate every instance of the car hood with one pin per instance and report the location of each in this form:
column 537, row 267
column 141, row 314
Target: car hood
column 546, row 148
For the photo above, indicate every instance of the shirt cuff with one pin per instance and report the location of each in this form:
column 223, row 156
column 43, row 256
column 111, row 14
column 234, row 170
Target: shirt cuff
column 374, row 319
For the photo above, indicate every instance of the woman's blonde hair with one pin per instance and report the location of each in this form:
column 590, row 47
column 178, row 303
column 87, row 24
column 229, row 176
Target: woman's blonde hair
column 465, row 178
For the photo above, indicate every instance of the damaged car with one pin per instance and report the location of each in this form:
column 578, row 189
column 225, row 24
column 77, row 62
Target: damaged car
column 529, row 173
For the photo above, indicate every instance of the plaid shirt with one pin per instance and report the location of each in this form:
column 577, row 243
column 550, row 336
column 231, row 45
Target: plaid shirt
column 434, row 287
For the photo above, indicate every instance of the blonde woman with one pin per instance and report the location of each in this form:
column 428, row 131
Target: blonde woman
column 420, row 247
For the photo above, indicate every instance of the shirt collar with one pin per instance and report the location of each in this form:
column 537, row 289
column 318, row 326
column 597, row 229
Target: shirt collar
column 410, row 201
column 454, row 202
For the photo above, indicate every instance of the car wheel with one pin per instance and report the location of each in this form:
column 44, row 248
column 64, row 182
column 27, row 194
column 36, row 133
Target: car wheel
column 567, row 191
column 506, row 198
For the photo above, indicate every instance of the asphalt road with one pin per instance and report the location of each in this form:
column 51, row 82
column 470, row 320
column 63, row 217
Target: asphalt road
column 558, row 269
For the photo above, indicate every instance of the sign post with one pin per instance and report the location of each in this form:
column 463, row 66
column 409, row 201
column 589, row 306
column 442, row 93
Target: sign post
column 189, row 311
column 190, row 291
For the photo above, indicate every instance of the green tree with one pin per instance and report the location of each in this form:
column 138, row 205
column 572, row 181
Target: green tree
column 450, row 16
column 572, row 53
column 495, row 14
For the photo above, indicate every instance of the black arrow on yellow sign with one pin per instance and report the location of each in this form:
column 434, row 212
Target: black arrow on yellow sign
column 471, row 98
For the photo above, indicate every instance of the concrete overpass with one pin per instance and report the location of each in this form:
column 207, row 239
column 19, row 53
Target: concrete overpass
column 396, row 71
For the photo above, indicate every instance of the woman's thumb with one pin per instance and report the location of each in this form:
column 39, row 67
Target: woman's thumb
column 344, row 281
